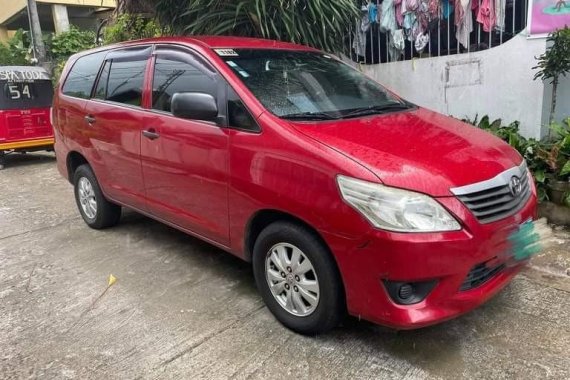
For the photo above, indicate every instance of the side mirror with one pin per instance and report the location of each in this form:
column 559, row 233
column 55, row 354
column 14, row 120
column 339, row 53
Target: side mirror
column 194, row 105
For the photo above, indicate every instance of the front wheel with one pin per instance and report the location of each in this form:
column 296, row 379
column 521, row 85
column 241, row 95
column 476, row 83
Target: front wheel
column 95, row 210
column 298, row 278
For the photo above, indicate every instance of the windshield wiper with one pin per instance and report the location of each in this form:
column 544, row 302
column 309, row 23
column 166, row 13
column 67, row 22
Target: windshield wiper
column 379, row 109
column 310, row 116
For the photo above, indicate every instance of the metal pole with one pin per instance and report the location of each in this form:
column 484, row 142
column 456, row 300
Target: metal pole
column 36, row 31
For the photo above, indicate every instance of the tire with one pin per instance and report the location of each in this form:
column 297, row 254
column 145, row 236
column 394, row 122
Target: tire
column 305, row 318
column 88, row 194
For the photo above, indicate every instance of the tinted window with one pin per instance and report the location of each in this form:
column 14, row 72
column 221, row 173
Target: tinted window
column 126, row 82
column 172, row 76
column 239, row 115
column 101, row 89
column 80, row 80
column 25, row 95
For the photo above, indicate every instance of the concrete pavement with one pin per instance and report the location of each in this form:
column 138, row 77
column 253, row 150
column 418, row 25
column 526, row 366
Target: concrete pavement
column 184, row 309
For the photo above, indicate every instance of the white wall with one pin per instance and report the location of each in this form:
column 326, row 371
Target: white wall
column 497, row 82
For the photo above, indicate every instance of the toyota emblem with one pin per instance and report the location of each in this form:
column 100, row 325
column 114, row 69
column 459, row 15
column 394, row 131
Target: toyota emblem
column 515, row 186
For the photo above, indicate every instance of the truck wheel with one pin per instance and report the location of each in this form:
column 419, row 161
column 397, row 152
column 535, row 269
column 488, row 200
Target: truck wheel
column 298, row 278
column 95, row 210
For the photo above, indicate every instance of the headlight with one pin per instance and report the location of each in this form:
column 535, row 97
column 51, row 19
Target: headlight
column 393, row 209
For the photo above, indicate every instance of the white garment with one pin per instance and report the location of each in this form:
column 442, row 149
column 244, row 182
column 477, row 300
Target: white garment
column 359, row 43
column 388, row 17
column 500, row 14
column 396, row 45
column 464, row 26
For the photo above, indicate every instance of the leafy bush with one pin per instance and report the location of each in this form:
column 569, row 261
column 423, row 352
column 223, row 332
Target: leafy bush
column 16, row 51
column 321, row 24
column 131, row 27
column 548, row 159
column 65, row 44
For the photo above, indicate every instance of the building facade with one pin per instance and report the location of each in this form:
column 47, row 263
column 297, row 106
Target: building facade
column 55, row 15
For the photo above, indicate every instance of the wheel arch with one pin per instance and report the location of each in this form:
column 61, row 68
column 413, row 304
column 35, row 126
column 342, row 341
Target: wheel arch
column 73, row 161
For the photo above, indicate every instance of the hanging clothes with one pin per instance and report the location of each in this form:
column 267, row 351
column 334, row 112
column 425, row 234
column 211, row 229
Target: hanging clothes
column 421, row 42
column 500, row 6
column 463, row 21
column 486, row 15
column 388, row 17
column 446, row 9
column 362, row 27
column 396, row 45
column 398, row 11
column 372, row 13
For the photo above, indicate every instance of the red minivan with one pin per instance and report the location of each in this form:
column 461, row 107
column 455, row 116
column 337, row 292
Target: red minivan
column 345, row 197
column 26, row 94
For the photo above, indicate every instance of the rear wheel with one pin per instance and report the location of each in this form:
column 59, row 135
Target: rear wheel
column 298, row 278
column 95, row 210
column 2, row 160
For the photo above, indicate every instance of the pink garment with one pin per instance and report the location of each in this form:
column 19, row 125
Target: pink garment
column 486, row 15
column 399, row 15
column 433, row 9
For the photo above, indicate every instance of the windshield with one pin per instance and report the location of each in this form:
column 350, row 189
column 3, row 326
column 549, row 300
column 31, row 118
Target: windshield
column 308, row 85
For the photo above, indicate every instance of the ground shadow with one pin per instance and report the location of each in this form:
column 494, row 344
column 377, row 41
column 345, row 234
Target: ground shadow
column 424, row 347
column 19, row 160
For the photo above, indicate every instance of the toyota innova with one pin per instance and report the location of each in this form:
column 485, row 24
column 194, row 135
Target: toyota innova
column 343, row 196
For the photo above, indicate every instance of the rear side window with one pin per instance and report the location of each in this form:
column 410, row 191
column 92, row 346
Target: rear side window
column 125, row 82
column 101, row 89
column 82, row 76
column 172, row 76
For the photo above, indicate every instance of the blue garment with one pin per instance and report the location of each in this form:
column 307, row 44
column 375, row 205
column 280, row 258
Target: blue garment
column 446, row 9
column 372, row 13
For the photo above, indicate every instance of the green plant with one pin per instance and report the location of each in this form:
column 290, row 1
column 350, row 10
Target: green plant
column 554, row 62
column 128, row 27
column 317, row 23
column 16, row 51
column 65, row 44
column 548, row 159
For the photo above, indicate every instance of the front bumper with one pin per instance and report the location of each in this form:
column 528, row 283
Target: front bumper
column 367, row 262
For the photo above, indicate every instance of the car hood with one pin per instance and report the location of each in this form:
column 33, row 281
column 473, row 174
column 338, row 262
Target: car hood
column 418, row 150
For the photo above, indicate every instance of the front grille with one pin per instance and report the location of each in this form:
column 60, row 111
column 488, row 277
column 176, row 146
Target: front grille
column 495, row 199
column 480, row 274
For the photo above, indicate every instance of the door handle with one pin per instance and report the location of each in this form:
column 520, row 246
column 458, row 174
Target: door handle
column 151, row 134
column 90, row 119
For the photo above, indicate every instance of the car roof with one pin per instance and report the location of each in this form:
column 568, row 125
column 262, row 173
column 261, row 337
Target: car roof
column 229, row 42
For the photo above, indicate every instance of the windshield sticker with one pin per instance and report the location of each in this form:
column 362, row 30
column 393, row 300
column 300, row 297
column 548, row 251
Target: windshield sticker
column 22, row 75
column 237, row 68
column 226, row 52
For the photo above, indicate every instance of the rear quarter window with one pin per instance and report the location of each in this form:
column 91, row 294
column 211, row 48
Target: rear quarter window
column 81, row 77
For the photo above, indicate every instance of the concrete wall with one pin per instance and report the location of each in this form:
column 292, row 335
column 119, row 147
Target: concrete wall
column 497, row 82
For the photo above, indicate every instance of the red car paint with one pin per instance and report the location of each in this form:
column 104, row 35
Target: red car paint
column 211, row 182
